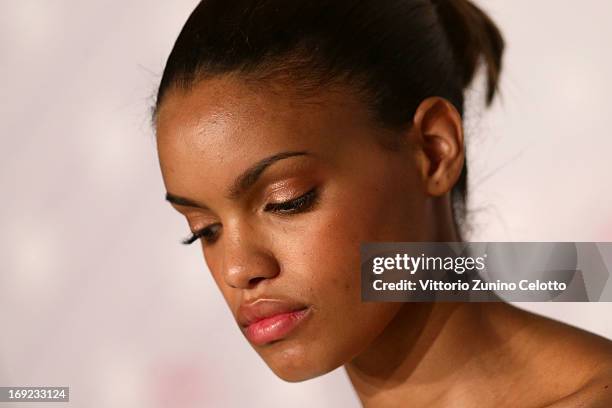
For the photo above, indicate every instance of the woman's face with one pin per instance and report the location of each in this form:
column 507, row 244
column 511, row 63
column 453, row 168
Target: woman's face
column 282, row 242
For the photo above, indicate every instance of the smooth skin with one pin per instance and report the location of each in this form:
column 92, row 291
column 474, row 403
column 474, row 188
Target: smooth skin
column 372, row 184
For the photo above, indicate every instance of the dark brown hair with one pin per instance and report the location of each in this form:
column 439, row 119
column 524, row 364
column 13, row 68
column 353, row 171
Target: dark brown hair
column 394, row 52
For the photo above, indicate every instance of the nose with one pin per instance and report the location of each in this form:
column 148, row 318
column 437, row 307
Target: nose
column 247, row 262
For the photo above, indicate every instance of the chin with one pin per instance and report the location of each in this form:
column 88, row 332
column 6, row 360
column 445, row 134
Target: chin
column 294, row 362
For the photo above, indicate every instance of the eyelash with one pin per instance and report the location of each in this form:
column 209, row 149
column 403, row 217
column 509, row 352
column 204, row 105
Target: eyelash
column 297, row 205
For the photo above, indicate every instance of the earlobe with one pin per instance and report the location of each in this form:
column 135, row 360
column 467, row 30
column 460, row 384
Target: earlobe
column 440, row 146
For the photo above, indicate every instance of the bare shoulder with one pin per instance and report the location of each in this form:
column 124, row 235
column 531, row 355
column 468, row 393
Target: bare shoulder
column 561, row 366
column 578, row 363
column 597, row 393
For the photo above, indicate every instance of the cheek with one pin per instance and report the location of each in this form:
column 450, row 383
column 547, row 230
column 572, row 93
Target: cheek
column 327, row 270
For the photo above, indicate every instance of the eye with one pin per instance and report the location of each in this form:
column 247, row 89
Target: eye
column 209, row 235
column 301, row 204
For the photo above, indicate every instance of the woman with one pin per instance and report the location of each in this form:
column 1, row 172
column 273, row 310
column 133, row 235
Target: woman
column 289, row 132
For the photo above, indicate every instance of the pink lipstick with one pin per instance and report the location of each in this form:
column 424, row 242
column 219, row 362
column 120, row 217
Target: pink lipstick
column 267, row 320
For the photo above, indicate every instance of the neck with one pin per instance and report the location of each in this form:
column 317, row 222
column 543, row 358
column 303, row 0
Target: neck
column 419, row 355
column 444, row 222
column 423, row 353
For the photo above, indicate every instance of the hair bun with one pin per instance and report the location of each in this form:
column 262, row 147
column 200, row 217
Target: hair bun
column 472, row 35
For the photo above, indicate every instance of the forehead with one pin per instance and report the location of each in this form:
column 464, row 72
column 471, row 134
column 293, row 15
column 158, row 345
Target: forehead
column 226, row 122
column 230, row 105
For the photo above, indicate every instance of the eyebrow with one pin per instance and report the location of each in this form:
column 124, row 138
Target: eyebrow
column 242, row 183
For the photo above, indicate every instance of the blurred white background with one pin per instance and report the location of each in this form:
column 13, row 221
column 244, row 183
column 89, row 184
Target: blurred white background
column 96, row 292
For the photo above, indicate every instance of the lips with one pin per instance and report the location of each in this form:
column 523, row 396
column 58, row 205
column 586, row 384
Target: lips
column 267, row 320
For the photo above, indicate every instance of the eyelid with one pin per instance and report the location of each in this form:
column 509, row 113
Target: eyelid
column 199, row 234
column 307, row 199
column 282, row 191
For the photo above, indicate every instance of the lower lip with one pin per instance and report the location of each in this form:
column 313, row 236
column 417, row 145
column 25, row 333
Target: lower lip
column 275, row 327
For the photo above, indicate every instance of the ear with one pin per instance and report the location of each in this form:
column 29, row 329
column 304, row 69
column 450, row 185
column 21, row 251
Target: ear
column 438, row 133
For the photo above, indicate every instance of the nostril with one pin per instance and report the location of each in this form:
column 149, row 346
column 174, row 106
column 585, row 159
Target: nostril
column 255, row 281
